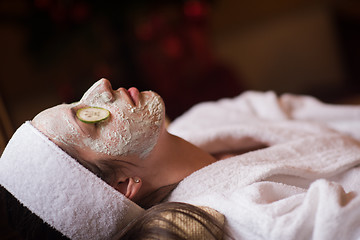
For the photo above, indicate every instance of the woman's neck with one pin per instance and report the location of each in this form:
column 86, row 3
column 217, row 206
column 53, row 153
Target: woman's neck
column 186, row 157
column 173, row 159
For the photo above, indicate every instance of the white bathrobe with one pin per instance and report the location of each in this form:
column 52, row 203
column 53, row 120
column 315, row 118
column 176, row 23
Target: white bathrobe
column 304, row 185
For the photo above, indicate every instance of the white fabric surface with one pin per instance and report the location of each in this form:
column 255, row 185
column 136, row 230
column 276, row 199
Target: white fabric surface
column 59, row 190
column 305, row 185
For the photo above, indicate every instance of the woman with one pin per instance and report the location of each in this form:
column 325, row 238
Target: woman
column 132, row 151
column 126, row 151
column 270, row 193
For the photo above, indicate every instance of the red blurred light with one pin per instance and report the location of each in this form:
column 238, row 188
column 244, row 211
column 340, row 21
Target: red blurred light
column 194, row 9
column 42, row 4
column 144, row 31
column 172, row 47
column 80, row 12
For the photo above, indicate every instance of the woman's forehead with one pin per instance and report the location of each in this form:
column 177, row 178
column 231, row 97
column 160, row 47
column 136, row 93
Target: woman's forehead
column 56, row 122
column 50, row 114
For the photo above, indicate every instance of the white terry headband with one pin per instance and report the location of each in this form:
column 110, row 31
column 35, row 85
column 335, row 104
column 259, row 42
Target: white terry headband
column 59, row 190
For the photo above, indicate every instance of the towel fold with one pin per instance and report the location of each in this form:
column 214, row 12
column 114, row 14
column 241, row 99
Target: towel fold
column 257, row 118
column 59, row 190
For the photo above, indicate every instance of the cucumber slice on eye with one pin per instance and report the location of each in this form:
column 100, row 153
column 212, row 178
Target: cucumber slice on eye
column 92, row 114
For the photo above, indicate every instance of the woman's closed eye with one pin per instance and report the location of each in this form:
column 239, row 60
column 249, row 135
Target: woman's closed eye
column 85, row 128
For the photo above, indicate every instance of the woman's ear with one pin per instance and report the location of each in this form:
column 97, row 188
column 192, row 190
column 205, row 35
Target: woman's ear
column 129, row 187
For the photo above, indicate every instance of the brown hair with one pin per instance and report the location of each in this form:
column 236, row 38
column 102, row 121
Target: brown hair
column 177, row 221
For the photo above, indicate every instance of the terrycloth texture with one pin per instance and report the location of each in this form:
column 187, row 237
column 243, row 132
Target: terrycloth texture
column 305, row 185
column 59, row 190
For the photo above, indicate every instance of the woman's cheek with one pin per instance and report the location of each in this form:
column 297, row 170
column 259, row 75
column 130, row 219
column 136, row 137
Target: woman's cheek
column 110, row 141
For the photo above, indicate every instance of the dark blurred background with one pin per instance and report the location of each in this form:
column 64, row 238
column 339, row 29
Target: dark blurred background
column 51, row 51
column 188, row 51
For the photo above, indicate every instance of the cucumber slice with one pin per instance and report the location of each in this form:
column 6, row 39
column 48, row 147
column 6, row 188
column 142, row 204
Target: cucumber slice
column 92, row 114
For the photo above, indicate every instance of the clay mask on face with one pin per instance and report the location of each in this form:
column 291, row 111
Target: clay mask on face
column 130, row 130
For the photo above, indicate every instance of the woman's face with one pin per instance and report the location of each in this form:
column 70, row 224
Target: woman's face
column 135, row 122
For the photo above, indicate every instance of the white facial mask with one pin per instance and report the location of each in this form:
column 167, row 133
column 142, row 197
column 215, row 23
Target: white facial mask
column 130, row 130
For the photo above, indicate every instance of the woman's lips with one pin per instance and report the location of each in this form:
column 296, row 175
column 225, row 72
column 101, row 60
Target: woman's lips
column 134, row 95
column 131, row 95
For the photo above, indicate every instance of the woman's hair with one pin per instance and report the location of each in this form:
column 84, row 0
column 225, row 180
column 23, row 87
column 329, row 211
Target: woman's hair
column 177, row 221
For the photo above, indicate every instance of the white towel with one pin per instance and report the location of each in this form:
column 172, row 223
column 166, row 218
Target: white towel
column 305, row 185
column 59, row 190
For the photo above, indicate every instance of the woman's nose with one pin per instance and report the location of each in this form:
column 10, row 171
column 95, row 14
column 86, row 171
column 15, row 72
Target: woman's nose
column 105, row 83
column 101, row 88
column 102, row 85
